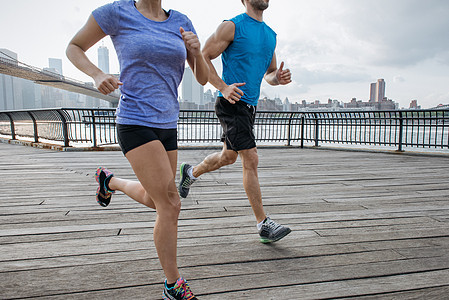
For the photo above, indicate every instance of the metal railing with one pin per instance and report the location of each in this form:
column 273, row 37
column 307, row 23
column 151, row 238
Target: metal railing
column 400, row 128
column 96, row 127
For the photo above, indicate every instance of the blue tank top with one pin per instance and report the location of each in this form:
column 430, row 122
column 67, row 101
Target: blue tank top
column 248, row 57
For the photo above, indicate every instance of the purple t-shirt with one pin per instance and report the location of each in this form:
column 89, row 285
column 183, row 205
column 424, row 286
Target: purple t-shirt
column 152, row 59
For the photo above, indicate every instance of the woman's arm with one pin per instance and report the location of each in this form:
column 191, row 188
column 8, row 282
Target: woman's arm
column 195, row 58
column 88, row 36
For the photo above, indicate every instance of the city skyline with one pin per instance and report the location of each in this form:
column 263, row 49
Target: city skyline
column 334, row 49
column 17, row 93
column 191, row 93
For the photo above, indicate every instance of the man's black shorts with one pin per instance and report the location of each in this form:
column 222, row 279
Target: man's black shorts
column 237, row 121
column 133, row 136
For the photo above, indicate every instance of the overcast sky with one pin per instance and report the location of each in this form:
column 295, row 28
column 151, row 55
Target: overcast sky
column 334, row 48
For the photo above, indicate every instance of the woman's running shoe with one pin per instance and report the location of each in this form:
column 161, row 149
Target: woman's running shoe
column 104, row 194
column 181, row 291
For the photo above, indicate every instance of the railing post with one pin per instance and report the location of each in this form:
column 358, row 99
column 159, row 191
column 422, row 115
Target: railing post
column 36, row 135
column 289, row 130
column 13, row 129
column 317, row 127
column 94, row 129
column 401, row 131
column 303, row 121
column 65, row 131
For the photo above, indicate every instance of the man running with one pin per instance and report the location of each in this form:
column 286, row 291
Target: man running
column 247, row 46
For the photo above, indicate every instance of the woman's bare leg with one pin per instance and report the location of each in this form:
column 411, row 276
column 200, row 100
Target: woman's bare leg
column 134, row 189
column 155, row 169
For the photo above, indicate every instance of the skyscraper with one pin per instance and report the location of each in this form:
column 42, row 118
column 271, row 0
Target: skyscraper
column 186, row 83
column 10, row 95
column 377, row 91
column 56, row 64
column 191, row 90
column 103, row 59
column 380, row 90
column 372, row 94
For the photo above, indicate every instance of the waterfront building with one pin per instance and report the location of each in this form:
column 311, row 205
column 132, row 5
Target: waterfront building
column 380, row 90
column 192, row 91
column 372, row 94
column 414, row 105
column 286, row 105
column 208, row 97
column 377, row 91
column 103, row 59
column 56, row 65
column 266, row 104
column 10, row 91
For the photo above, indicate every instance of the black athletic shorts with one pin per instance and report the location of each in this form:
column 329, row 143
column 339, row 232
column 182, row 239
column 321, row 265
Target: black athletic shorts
column 237, row 121
column 133, row 136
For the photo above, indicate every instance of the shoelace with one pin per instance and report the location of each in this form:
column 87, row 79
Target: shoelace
column 188, row 182
column 184, row 291
column 272, row 224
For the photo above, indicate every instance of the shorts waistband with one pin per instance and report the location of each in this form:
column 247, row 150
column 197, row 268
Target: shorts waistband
column 241, row 102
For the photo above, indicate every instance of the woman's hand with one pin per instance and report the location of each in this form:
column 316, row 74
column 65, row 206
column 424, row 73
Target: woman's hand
column 107, row 83
column 194, row 56
column 191, row 41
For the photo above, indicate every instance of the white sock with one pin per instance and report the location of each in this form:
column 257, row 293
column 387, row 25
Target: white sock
column 190, row 173
column 260, row 225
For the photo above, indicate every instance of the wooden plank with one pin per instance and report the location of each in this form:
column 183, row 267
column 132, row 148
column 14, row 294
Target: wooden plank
column 439, row 292
column 364, row 224
column 345, row 288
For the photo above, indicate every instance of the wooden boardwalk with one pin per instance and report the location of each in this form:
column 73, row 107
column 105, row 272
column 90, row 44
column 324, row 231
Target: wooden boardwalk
column 365, row 225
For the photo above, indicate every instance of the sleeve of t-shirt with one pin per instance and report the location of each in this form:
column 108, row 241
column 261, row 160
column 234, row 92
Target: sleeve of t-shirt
column 189, row 26
column 107, row 18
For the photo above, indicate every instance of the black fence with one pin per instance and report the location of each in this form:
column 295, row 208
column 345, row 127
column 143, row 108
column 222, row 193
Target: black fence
column 96, row 127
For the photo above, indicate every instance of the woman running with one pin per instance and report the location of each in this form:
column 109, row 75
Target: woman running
column 152, row 46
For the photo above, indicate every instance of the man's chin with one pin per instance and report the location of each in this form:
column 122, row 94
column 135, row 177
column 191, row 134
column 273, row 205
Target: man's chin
column 260, row 4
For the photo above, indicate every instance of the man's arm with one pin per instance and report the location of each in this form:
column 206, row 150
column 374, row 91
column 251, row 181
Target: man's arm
column 275, row 76
column 215, row 46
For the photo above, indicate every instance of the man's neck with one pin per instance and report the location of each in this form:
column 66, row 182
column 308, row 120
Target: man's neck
column 255, row 14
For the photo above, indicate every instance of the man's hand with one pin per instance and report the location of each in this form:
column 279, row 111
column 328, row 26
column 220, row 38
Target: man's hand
column 283, row 76
column 107, row 83
column 232, row 93
column 191, row 41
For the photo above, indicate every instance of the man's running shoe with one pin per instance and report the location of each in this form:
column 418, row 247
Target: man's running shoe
column 104, row 194
column 271, row 231
column 186, row 181
column 181, row 291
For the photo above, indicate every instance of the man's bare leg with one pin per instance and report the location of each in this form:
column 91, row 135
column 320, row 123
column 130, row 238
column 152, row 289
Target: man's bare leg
column 189, row 174
column 250, row 161
column 215, row 161
column 269, row 230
